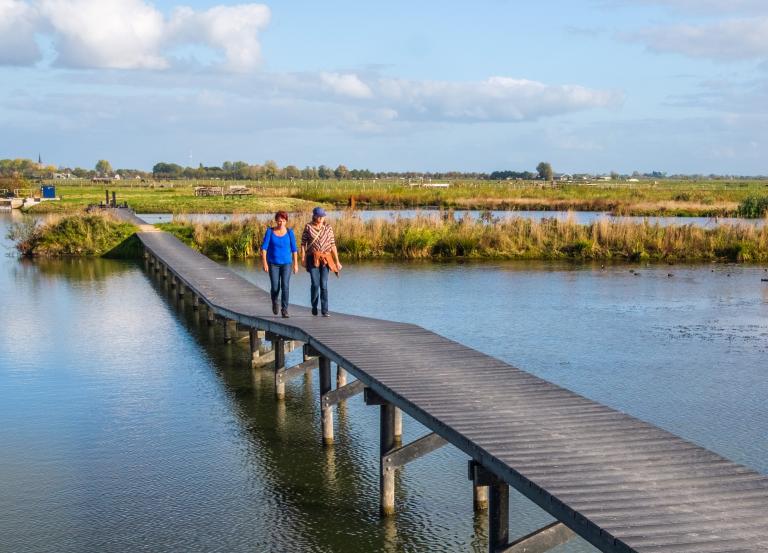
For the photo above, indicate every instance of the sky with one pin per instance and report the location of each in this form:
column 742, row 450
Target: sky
column 588, row 85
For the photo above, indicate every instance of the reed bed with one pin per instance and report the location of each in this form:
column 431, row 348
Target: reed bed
column 82, row 234
column 444, row 237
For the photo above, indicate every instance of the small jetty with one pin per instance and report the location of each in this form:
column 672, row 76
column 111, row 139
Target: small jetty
column 621, row 484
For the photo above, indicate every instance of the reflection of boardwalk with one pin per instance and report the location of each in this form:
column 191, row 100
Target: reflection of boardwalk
column 622, row 484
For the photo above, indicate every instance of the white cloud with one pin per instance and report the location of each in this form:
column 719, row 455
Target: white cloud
column 494, row 99
column 18, row 21
column 233, row 29
column 128, row 34
column 346, row 85
column 118, row 34
column 731, row 39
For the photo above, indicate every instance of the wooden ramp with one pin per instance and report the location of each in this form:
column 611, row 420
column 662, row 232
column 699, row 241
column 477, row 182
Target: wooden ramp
column 620, row 483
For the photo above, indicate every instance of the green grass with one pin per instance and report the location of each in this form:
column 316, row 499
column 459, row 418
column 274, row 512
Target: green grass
column 672, row 198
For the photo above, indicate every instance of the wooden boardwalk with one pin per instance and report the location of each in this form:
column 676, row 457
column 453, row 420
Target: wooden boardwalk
column 620, row 483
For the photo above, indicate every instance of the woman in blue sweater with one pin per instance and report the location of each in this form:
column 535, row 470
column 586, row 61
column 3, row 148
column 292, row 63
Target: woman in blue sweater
column 278, row 257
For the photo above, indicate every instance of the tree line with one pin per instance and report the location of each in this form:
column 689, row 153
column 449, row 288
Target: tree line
column 270, row 170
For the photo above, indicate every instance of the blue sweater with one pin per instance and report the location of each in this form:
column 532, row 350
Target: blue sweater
column 279, row 248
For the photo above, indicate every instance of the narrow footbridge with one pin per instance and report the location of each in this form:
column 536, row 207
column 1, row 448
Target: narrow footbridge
column 620, row 483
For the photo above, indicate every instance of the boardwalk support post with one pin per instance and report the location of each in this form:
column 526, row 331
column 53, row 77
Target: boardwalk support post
column 211, row 315
column 278, row 347
column 498, row 506
column 398, row 426
column 386, row 445
column 230, row 330
column 326, row 411
column 479, row 489
column 195, row 302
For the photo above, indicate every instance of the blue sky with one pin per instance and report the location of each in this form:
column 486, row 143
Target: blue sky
column 591, row 86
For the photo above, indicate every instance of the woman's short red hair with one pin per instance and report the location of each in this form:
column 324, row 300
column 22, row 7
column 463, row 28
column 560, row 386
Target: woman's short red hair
column 281, row 215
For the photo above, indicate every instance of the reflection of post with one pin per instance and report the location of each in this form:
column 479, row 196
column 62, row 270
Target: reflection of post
column 389, row 526
column 386, row 444
column 280, row 415
column 398, row 426
column 278, row 344
column 326, row 411
column 330, row 466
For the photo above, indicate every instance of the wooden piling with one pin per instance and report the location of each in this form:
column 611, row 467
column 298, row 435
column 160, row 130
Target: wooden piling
column 387, row 473
column 211, row 316
column 230, row 330
column 278, row 345
column 195, row 302
column 398, row 426
column 325, row 410
column 341, row 377
column 498, row 515
column 255, row 343
column 479, row 498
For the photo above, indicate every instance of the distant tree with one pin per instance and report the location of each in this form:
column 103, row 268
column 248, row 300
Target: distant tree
column 324, row 172
column 103, row 167
column 291, row 172
column 544, row 169
column 341, row 172
column 167, row 170
column 615, row 175
column 271, row 169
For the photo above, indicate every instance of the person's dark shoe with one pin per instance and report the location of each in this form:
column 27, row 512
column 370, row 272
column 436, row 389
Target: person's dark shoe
column 314, row 311
column 285, row 314
column 274, row 307
column 326, row 314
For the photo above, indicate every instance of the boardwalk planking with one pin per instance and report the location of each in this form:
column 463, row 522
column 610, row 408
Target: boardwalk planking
column 622, row 484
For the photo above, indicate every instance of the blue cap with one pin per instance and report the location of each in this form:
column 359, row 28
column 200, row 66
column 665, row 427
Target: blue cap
column 318, row 212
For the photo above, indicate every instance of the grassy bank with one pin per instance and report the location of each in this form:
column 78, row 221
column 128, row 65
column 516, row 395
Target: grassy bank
column 428, row 237
column 166, row 199
column 683, row 198
column 75, row 235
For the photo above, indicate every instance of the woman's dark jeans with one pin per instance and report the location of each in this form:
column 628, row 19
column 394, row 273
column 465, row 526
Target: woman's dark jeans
column 319, row 277
column 279, row 278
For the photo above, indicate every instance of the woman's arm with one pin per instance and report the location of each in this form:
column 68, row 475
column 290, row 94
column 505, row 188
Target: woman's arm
column 335, row 253
column 295, row 263
column 264, row 248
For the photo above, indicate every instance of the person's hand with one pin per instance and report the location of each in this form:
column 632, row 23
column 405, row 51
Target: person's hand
column 295, row 268
column 339, row 265
column 303, row 259
column 265, row 267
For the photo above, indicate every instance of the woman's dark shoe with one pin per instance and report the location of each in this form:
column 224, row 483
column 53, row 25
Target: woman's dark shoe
column 284, row 312
column 274, row 307
column 314, row 311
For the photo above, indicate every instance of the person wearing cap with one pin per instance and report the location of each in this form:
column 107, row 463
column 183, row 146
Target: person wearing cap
column 319, row 256
column 278, row 256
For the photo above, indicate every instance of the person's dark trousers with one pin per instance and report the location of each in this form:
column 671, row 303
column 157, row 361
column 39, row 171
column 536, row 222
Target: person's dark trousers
column 279, row 278
column 319, row 288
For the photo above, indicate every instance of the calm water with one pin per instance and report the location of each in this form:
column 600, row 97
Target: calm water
column 581, row 217
column 128, row 424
